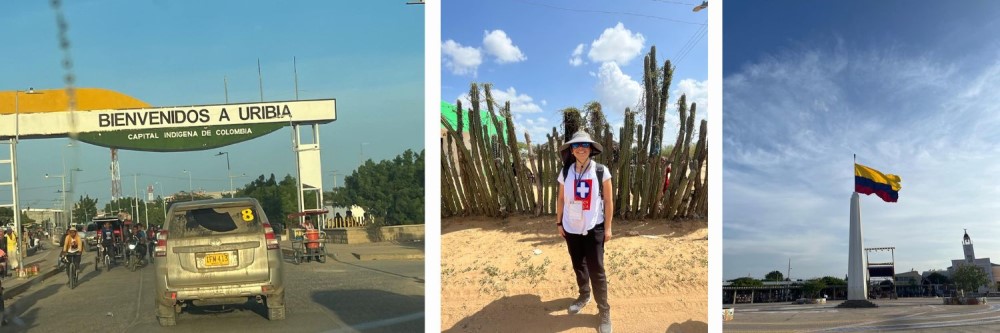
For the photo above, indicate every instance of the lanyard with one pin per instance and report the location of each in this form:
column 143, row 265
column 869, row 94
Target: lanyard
column 578, row 176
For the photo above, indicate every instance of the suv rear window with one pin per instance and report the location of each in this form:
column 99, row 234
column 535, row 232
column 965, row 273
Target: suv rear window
column 92, row 227
column 215, row 221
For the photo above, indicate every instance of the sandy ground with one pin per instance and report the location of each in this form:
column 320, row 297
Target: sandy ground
column 493, row 282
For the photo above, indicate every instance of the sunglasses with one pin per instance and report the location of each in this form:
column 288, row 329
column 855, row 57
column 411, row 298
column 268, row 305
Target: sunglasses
column 582, row 144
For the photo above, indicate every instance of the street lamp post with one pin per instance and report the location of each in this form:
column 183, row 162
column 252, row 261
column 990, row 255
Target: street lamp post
column 232, row 192
column 189, row 184
column 334, row 174
column 13, row 171
column 163, row 201
column 228, row 170
column 71, row 171
column 62, row 178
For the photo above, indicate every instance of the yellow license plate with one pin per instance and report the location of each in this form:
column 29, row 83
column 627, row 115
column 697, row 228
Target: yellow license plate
column 217, row 259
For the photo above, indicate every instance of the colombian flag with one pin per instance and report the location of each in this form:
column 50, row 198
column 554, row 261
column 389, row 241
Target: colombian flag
column 868, row 181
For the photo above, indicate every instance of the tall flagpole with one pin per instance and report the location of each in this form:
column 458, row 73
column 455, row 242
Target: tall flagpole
column 857, row 280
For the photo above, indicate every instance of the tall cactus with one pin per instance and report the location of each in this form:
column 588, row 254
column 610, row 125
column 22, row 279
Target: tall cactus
column 486, row 174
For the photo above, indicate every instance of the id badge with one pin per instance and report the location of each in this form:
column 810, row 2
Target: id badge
column 576, row 215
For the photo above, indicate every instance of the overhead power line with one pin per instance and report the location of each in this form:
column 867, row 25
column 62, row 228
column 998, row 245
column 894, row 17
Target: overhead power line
column 612, row 12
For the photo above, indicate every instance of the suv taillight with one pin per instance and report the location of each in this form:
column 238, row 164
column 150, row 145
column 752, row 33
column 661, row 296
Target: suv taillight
column 161, row 244
column 272, row 243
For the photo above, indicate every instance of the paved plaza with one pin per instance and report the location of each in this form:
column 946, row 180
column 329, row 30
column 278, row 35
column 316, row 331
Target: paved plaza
column 910, row 314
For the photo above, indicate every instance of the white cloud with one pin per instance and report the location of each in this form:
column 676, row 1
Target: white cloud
column 800, row 115
column 535, row 127
column 500, row 46
column 527, row 116
column 616, row 44
column 575, row 59
column 460, row 59
column 696, row 91
column 519, row 103
column 616, row 90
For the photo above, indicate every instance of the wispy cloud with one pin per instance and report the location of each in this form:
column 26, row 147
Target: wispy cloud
column 575, row 59
column 792, row 121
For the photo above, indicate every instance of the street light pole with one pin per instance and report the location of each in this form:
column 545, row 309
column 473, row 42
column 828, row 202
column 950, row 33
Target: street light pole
column 189, row 184
column 163, row 201
column 232, row 192
column 13, row 171
column 228, row 170
column 71, row 171
column 335, row 173
column 62, row 179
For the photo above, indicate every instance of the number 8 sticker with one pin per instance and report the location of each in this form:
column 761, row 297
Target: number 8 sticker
column 247, row 215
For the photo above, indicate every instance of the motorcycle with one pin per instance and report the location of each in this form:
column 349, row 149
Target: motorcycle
column 136, row 252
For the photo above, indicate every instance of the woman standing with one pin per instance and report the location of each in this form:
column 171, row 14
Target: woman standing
column 583, row 216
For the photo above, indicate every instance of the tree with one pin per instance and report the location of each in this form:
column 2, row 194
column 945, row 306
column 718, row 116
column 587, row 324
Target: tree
column 746, row 282
column 84, row 210
column 937, row 278
column 277, row 200
column 812, row 288
column 833, row 281
column 7, row 216
column 392, row 190
column 969, row 277
column 774, row 276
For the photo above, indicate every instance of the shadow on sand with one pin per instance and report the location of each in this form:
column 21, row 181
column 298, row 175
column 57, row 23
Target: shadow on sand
column 525, row 313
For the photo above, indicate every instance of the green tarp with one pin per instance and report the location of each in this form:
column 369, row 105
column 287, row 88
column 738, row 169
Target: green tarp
column 448, row 111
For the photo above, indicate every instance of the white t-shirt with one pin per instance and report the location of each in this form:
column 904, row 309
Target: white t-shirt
column 581, row 190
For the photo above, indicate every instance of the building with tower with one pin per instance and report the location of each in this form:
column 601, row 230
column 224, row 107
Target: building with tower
column 992, row 270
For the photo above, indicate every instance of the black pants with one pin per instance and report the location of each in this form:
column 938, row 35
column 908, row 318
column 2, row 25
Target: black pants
column 587, row 253
column 74, row 258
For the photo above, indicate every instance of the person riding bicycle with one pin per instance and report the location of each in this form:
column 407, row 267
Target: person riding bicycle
column 73, row 247
column 107, row 237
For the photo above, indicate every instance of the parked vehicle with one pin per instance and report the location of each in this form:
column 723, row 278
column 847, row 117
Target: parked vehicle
column 213, row 252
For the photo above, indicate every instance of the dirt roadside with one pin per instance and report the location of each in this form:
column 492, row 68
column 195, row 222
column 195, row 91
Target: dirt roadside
column 492, row 280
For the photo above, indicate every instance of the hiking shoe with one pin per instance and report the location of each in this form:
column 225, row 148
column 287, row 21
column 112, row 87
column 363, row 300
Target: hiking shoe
column 579, row 304
column 605, row 321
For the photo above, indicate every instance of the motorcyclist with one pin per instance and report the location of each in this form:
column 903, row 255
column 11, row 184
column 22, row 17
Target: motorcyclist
column 139, row 237
column 151, row 237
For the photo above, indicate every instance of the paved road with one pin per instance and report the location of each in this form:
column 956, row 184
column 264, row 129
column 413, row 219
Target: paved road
column 341, row 295
column 905, row 314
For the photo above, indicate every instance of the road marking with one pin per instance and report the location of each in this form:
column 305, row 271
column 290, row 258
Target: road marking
column 380, row 323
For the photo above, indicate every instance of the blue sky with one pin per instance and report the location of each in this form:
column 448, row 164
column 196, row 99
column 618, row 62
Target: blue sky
column 547, row 55
column 908, row 86
column 367, row 55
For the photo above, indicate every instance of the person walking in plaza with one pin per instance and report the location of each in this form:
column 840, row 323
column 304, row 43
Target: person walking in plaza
column 583, row 215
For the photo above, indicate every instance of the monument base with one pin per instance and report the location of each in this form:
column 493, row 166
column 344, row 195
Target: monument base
column 857, row 304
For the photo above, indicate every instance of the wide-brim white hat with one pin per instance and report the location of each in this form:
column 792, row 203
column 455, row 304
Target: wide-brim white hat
column 578, row 137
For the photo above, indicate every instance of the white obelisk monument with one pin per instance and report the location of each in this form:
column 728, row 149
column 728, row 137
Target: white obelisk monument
column 857, row 277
